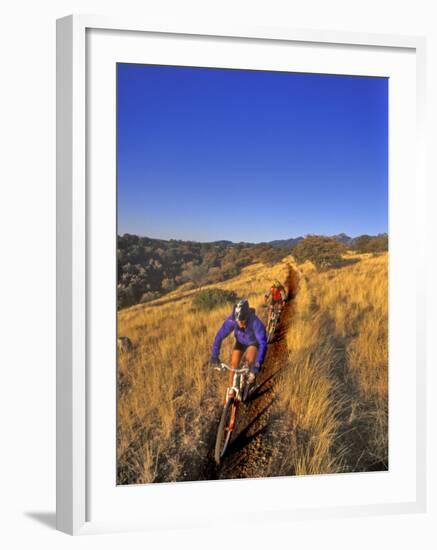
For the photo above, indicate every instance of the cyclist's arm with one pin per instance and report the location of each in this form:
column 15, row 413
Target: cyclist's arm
column 225, row 330
column 283, row 295
column 261, row 336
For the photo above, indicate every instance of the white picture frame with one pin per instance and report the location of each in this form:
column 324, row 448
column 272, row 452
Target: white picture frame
column 73, row 261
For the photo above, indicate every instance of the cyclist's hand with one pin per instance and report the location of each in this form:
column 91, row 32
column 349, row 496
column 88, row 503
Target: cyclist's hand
column 214, row 362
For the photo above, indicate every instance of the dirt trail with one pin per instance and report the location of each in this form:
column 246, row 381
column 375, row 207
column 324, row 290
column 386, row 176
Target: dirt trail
column 254, row 451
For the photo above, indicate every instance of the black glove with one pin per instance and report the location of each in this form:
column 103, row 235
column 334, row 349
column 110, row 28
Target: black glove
column 214, row 362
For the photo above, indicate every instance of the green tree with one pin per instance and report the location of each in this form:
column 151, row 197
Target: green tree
column 322, row 251
column 366, row 243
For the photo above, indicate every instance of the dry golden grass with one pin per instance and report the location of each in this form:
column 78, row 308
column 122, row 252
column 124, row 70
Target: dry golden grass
column 332, row 390
column 334, row 393
column 163, row 386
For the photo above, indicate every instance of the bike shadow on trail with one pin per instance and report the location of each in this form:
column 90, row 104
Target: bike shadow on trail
column 264, row 383
column 246, row 447
column 235, row 454
column 244, row 437
column 264, row 386
column 259, row 394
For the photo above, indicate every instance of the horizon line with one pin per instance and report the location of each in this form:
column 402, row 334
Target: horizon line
column 254, row 242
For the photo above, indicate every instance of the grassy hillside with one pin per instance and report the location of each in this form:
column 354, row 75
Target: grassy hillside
column 334, row 392
column 149, row 268
column 168, row 402
column 332, row 387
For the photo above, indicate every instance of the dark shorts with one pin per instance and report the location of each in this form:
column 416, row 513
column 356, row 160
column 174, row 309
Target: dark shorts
column 242, row 347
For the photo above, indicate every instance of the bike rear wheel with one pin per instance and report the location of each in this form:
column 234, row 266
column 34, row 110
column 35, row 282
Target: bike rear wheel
column 225, row 429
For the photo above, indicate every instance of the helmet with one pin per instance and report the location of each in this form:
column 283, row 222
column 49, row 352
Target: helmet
column 241, row 310
column 276, row 283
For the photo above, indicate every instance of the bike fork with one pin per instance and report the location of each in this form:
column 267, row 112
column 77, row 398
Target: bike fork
column 233, row 415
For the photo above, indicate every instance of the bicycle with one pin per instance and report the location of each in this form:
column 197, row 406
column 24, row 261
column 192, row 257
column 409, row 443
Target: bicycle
column 235, row 394
column 273, row 322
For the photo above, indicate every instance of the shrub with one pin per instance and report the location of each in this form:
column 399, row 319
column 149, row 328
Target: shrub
column 211, row 298
column 322, row 251
column 366, row 243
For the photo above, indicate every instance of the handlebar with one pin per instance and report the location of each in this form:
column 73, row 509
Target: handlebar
column 224, row 366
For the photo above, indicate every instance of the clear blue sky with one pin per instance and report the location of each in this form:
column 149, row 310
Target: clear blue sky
column 211, row 154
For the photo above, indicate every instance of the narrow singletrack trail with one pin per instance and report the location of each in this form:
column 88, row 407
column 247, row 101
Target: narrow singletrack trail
column 253, row 451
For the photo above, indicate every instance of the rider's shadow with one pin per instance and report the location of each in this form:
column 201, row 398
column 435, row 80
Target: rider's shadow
column 244, row 437
column 279, row 335
column 262, row 389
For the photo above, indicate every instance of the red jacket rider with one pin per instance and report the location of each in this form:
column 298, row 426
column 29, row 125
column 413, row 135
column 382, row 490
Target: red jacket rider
column 276, row 294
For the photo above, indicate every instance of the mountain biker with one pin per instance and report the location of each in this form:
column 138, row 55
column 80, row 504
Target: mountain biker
column 250, row 338
column 276, row 295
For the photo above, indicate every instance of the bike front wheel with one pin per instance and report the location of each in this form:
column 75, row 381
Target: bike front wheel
column 271, row 329
column 225, row 429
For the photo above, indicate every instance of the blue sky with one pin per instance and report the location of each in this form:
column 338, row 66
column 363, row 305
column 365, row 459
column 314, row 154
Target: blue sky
column 211, row 154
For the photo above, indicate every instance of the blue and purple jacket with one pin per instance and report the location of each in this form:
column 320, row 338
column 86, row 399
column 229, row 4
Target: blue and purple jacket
column 253, row 334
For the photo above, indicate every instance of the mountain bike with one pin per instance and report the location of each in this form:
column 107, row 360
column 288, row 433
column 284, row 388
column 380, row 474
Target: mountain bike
column 235, row 394
column 273, row 322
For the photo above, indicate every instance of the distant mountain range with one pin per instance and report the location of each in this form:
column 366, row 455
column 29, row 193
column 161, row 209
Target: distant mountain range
column 286, row 243
column 341, row 238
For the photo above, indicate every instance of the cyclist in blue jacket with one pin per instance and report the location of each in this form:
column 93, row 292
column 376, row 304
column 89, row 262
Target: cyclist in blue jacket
column 250, row 338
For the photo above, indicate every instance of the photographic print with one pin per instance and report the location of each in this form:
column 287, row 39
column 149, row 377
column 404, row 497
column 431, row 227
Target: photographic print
column 252, row 274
